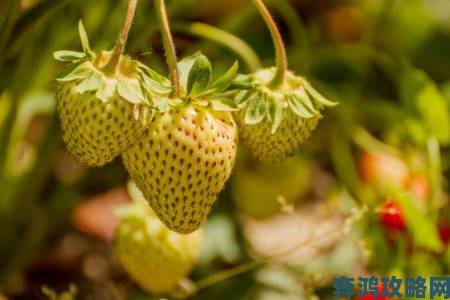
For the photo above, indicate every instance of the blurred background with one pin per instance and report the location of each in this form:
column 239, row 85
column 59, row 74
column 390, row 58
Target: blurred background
column 366, row 195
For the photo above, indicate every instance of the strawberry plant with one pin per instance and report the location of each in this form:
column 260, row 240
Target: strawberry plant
column 249, row 183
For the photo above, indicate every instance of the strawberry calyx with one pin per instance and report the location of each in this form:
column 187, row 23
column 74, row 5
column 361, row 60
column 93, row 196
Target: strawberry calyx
column 262, row 102
column 133, row 81
column 198, row 88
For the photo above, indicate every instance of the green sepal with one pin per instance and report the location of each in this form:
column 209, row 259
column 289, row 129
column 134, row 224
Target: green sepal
column 301, row 104
column 274, row 111
column 130, row 90
column 84, row 39
column 161, row 104
column 67, row 55
column 242, row 98
column 223, row 104
column 91, row 83
column 153, row 86
column 152, row 74
column 224, row 81
column 107, row 90
column 199, row 76
column 316, row 95
column 298, row 107
column 242, row 82
column 75, row 71
column 256, row 109
column 67, row 70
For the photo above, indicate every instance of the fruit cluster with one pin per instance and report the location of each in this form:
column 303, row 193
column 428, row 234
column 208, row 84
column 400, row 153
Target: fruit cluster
column 179, row 143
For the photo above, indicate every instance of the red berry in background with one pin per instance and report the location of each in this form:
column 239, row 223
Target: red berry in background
column 378, row 168
column 391, row 216
column 444, row 232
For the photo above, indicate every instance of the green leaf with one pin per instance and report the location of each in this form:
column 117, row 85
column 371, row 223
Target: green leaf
column 130, row 90
column 199, row 76
column 316, row 95
column 256, row 110
column 84, row 39
column 422, row 228
column 107, row 90
column 223, row 105
column 66, row 55
column 428, row 104
column 184, row 68
column 223, row 82
column 74, row 72
column 91, row 83
column 298, row 107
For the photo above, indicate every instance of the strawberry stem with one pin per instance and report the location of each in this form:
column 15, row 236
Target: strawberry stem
column 280, row 49
column 169, row 46
column 111, row 67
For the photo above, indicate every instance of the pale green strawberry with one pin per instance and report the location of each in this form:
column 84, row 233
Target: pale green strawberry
column 155, row 257
column 260, row 190
column 275, row 122
column 102, row 115
column 186, row 155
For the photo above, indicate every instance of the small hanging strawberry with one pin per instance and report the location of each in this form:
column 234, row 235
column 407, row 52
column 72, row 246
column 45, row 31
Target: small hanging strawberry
column 104, row 99
column 187, row 154
column 154, row 256
column 281, row 110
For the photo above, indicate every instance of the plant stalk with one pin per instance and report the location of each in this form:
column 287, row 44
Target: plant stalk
column 169, row 46
column 111, row 67
column 280, row 49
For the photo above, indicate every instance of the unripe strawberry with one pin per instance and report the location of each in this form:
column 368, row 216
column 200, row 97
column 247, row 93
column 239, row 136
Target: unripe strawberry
column 391, row 216
column 102, row 114
column 275, row 122
column 154, row 256
column 182, row 163
column 186, row 155
column 260, row 190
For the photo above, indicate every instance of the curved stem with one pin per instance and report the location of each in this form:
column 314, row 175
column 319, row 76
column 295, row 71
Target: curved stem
column 280, row 49
column 169, row 46
column 224, row 38
column 221, row 276
column 111, row 67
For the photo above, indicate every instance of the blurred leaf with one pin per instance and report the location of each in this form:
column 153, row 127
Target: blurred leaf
column 220, row 241
column 424, row 230
column 425, row 100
